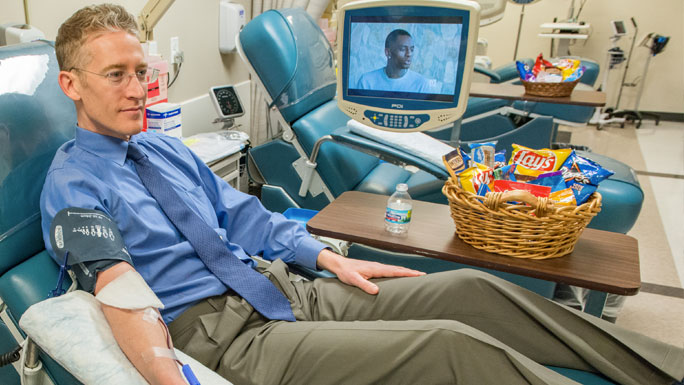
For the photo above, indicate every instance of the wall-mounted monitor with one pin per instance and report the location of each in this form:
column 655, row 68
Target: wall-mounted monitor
column 406, row 65
column 618, row 28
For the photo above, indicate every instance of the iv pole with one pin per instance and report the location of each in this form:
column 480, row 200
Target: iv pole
column 629, row 59
column 517, row 40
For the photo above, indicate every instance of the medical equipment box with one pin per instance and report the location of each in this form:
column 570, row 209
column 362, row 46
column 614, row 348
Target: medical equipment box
column 164, row 118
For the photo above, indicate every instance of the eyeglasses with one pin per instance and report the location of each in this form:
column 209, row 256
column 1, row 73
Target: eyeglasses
column 117, row 77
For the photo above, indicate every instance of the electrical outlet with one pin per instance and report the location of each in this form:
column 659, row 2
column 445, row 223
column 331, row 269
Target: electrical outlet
column 176, row 53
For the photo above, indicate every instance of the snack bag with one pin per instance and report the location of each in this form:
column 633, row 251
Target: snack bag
column 575, row 75
column 535, row 162
column 568, row 66
column 474, row 177
column 582, row 191
column 500, row 159
column 483, row 190
column 455, row 162
column 540, row 65
column 584, row 170
column 564, row 197
column 546, row 77
column 507, row 173
column 524, row 71
column 554, row 180
column 507, row 185
column 483, row 153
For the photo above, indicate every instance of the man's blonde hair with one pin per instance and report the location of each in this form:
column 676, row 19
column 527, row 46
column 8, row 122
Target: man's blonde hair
column 85, row 23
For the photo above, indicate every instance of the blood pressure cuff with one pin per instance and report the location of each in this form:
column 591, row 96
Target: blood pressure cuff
column 93, row 241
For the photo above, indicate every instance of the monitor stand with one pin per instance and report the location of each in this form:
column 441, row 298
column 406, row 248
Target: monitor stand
column 455, row 140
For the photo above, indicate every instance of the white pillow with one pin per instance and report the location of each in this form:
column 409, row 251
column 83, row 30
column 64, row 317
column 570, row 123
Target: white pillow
column 73, row 330
column 417, row 143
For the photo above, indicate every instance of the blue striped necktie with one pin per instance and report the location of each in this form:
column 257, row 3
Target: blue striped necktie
column 248, row 283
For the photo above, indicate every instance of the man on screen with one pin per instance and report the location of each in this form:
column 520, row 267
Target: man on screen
column 396, row 75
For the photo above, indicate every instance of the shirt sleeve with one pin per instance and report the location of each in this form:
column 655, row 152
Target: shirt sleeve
column 86, row 272
column 64, row 188
column 254, row 228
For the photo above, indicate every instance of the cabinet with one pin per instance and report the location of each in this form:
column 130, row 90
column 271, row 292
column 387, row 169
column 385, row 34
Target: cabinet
column 228, row 169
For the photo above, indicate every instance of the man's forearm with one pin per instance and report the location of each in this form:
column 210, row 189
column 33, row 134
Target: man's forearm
column 142, row 340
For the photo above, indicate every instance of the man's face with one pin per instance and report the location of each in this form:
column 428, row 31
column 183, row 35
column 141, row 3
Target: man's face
column 109, row 109
column 400, row 52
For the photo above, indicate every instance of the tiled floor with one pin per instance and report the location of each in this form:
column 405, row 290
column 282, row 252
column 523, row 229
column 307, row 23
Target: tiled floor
column 656, row 153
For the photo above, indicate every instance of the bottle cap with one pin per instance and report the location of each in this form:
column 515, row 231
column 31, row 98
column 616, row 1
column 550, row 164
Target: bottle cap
column 402, row 187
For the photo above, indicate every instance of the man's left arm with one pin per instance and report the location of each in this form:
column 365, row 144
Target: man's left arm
column 259, row 231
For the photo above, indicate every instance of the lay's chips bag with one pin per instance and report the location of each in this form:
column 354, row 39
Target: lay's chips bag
column 535, row 162
column 472, row 179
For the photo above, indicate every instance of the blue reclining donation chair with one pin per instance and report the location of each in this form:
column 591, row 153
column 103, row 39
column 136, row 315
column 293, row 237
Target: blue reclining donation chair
column 295, row 67
column 285, row 49
column 290, row 58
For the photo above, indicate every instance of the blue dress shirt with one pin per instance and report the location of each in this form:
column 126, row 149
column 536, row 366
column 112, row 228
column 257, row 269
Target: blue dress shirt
column 92, row 172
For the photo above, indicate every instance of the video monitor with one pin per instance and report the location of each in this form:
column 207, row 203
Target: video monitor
column 618, row 28
column 406, row 65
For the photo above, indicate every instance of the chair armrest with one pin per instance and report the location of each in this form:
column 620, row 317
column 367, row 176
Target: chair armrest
column 309, row 274
column 343, row 135
column 493, row 76
column 72, row 326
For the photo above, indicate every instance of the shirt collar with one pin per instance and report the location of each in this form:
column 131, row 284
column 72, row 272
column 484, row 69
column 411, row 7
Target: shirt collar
column 104, row 146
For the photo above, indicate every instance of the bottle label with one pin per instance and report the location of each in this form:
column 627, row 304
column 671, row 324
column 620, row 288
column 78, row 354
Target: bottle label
column 398, row 216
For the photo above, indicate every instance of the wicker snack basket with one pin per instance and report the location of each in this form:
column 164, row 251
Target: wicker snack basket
column 549, row 89
column 536, row 230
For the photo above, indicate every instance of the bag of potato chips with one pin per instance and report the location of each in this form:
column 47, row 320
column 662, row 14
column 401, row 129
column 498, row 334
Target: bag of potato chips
column 535, row 162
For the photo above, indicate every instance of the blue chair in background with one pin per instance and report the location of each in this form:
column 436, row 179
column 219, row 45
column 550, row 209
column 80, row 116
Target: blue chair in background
column 508, row 73
column 561, row 113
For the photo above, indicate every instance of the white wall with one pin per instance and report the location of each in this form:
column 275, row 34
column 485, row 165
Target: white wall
column 664, row 87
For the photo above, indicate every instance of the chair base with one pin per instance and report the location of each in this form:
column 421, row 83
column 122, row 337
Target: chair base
column 635, row 116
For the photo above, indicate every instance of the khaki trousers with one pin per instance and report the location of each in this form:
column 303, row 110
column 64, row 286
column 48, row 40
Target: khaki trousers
column 455, row 327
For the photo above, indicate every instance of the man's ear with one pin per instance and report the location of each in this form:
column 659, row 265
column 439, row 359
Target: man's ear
column 387, row 53
column 70, row 85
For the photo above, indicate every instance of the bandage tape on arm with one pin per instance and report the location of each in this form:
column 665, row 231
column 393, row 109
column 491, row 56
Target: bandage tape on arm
column 129, row 291
column 93, row 241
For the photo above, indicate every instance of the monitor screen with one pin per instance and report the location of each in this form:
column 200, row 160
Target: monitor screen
column 406, row 58
column 619, row 28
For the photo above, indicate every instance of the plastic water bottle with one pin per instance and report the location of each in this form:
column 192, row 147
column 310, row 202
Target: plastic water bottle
column 399, row 207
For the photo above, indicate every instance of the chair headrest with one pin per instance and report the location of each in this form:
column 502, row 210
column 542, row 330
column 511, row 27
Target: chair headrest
column 35, row 119
column 293, row 59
